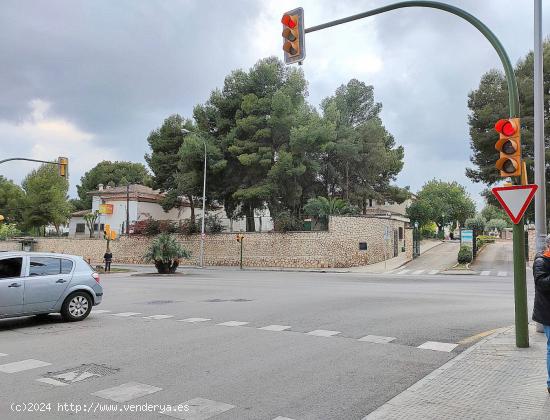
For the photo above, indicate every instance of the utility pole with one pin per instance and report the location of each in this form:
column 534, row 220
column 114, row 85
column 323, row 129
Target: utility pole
column 540, row 164
column 203, row 207
column 128, row 209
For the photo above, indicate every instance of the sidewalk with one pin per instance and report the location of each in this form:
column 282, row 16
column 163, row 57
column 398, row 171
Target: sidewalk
column 491, row 380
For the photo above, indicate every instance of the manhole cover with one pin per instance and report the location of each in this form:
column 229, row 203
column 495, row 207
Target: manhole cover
column 78, row 374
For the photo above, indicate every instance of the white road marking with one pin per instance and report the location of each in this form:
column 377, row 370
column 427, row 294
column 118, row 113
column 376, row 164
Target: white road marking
column 233, row 323
column 433, row 272
column 22, row 365
column 276, row 328
column 323, row 333
column 485, row 273
column 502, row 273
column 403, row 271
column 100, row 311
column 437, row 346
column 126, row 392
column 199, row 409
column 52, row 381
column 124, row 314
column 3, row 354
column 75, row 376
column 195, row 319
column 377, row 339
column 282, row 418
column 418, row 272
column 158, row 316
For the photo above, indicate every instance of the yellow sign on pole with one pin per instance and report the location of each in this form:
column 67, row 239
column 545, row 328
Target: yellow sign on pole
column 105, row 209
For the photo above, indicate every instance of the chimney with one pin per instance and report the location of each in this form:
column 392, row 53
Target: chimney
column 100, row 187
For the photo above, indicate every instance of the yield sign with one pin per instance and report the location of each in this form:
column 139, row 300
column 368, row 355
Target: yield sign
column 515, row 199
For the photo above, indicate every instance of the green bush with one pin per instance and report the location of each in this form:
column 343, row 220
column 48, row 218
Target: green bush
column 285, row 222
column 188, row 227
column 465, row 254
column 8, row 230
column 441, row 235
column 484, row 239
column 165, row 252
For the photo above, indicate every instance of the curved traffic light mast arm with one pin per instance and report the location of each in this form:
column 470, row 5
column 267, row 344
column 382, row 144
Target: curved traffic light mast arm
column 513, row 96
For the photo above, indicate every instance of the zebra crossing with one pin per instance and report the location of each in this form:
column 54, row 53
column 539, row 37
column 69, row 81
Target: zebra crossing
column 427, row 272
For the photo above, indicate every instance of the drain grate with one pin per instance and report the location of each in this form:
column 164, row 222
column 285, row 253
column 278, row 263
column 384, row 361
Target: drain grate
column 79, row 374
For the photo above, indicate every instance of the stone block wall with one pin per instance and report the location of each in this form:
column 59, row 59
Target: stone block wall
column 336, row 248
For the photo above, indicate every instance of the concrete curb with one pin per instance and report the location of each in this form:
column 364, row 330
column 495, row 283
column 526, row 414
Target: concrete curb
column 431, row 376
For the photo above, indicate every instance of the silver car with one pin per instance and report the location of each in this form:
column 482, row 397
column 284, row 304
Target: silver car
column 36, row 283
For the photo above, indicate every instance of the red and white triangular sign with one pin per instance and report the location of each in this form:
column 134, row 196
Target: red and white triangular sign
column 515, row 199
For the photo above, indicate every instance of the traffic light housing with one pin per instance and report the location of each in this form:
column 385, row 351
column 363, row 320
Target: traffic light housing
column 63, row 167
column 240, row 237
column 294, row 36
column 509, row 145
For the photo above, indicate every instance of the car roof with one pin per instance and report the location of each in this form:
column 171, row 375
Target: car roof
column 37, row 254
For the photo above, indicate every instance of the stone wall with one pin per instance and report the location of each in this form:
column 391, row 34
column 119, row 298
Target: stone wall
column 337, row 247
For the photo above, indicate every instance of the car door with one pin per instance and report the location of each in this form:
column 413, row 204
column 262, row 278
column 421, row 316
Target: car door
column 47, row 280
column 11, row 285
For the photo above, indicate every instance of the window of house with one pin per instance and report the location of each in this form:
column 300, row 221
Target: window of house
column 80, row 228
column 370, row 202
column 10, row 267
column 400, row 233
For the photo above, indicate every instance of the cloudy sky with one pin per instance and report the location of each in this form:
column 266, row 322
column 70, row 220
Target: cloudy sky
column 91, row 79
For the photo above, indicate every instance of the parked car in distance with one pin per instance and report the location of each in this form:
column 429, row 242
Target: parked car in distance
column 36, row 283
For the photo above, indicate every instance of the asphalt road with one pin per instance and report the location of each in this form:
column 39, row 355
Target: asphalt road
column 245, row 372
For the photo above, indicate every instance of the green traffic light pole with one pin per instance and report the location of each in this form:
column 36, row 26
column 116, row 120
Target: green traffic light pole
column 520, row 287
column 29, row 160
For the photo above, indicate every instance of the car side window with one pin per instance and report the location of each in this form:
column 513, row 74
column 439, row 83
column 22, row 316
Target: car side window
column 45, row 266
column 66, row 266
column 10, row 267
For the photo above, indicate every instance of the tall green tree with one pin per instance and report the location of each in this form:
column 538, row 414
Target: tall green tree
column 362, row 160
column 443, row 203
column 488, row 103
column 46, row 200
column 165, row 143
column 107, row 172
column 11, row 201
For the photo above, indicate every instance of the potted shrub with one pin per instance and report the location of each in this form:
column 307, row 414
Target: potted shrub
column 165, row 252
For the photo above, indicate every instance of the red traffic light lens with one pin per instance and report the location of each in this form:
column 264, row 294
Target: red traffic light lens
column 505, row 127
column 288, row 21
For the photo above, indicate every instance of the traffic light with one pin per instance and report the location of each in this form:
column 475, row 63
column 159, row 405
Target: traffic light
column 240, row 237
column 107, row 232
column 509, row 146
column 63, row 166
column 294, row 36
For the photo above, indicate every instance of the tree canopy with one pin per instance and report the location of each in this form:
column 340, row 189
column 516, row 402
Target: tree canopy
column 45, row 199
column 443, row 203
column 489, row 103
column 268, row 148
column 11, row 201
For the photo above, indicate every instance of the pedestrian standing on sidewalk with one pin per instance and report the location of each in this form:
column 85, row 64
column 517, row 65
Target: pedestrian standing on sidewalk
column 108, row 257
column 541, row 309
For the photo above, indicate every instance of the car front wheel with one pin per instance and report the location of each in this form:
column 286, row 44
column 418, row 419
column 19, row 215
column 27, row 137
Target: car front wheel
column 76, row 307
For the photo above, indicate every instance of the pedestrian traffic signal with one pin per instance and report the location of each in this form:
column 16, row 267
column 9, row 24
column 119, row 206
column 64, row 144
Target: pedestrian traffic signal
column 509, row 146
column 294, row 36
column 63, row 166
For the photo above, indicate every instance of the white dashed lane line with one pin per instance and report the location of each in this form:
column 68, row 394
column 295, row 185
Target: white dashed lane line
column 51, row 381
column 199, row 409
column 276, row 328
column 126, row 314
column 22, row 365
column 100, row 311
column 158, row 317
column 403, row 271
column 195, row 319
column 437, row 346
column 485, row 273
column 502, row 274
column 417, row 272
column 377, row 339
column 3, row 354
column 126, row 392
column 323, row 333
column 233, row 323
column 433, row 272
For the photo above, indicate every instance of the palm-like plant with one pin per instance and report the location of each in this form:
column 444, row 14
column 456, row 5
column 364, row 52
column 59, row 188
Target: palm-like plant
column 165, row 252
column 322, row 207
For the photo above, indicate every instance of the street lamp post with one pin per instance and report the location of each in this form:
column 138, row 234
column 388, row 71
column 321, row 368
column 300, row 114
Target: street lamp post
column 201, row 258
